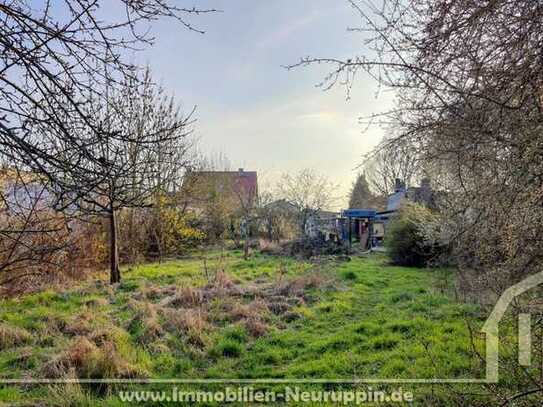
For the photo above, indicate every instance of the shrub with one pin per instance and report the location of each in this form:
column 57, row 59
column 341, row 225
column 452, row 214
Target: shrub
column 163, row 230
column 409, row 237
column 229, row 348
column 170, row 231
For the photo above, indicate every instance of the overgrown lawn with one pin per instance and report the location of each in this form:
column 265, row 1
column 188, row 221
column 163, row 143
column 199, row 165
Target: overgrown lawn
column 267, row 317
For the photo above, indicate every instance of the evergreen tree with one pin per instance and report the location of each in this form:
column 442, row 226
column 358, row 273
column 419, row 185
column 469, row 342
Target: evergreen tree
column 361, row 196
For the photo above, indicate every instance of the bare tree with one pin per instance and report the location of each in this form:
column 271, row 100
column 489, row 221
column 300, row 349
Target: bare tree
column 309, row 192
column 48, row 53
column 135, row 152
column 391, row 160
column 33, row 238
column 248, row 203
column 468, row 85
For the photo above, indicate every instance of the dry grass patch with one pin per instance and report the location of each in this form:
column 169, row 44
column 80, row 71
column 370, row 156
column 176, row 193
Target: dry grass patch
column 223, row 280
column 188, row 310
column 256, row 327
column 97, row 302
column 153, row 293
column 145, row 323
column 256, row 309
column 279, row 307
column 192, row 323
column 103, row 335
column 184, row 297
column 78, row 325
column 297, row 286
column 69, row 394
column 88, row 360
column 253, row 316
column 11, row 336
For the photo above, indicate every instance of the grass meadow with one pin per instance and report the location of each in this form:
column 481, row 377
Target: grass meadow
column 267, row 317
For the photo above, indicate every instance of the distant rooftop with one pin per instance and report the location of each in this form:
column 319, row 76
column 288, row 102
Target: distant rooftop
column 242, row 183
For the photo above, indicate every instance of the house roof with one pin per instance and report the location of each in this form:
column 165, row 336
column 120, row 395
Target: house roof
column 423, row 195
column 242, row 183
column 395, row 200
column 282, row 205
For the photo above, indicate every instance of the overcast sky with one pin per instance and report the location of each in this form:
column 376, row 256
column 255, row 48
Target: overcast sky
column 260, row 115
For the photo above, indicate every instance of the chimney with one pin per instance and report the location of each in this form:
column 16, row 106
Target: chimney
column 425, row 183
column 398, row 185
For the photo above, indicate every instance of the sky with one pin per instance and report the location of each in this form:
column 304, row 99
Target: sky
column 262, row 116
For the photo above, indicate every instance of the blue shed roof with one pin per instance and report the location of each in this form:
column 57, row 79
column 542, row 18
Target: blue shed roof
column 359, row 213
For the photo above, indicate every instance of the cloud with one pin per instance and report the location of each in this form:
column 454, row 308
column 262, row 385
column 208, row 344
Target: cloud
column 323, row 116
column 285, row 31
column 307, row 131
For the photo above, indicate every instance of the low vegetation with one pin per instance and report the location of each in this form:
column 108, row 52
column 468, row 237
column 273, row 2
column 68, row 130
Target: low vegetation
column 266, row 317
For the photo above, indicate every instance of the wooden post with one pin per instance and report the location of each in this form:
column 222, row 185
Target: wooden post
column 370, row 234
column 350, row 233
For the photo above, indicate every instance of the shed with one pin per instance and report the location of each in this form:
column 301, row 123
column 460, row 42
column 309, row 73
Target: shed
column 357, row 225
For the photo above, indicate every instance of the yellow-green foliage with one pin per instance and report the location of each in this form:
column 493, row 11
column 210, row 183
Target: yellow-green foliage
column 170, row 229
column 177, row 231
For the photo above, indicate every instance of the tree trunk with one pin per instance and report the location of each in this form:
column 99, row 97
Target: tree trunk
column 303, row 222
column 270, row 230
column 133, row 242
column 115, row 273
column 246, row 243
column 246, row 248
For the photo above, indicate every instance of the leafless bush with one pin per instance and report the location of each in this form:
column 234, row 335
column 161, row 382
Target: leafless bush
column 191, row 323
column 34, row 239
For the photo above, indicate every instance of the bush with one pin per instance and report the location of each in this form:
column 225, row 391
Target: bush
column 161, row 231
column 229, row 348
column 410, row 240
column 44, row 248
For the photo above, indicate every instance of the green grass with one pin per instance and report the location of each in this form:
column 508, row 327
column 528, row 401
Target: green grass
column 375, row 321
